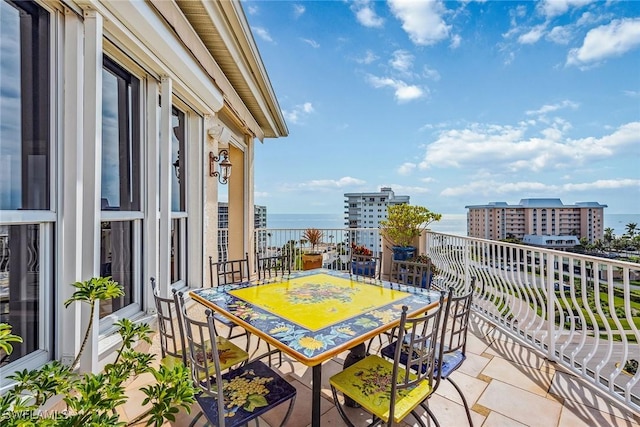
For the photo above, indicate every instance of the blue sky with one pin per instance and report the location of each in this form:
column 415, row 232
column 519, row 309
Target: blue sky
column 451, row 103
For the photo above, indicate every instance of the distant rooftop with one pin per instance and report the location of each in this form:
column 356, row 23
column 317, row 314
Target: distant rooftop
column 539, row 203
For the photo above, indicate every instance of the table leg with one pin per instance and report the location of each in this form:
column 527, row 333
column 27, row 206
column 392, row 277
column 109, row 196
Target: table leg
column 316, row 386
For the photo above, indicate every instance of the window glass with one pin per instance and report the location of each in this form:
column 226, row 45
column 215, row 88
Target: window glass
column 175, row 249
column 179, row 159
column 20, row 258
column 120, row 139
column 117, row 260
column 25, row 162
column 24, row 107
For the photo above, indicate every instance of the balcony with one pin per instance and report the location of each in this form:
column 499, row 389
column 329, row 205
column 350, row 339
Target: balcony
column 506, row 383
column 562, row 324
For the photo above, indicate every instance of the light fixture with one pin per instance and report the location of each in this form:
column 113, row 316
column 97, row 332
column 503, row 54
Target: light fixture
column 176, row 166
column 225, row 166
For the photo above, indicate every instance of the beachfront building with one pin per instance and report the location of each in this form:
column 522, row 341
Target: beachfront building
column 537, row 217
column 366, row 210
column 116, row 117
column 259, row 221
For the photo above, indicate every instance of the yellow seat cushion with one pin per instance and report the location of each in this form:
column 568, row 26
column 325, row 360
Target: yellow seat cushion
column 229, row 354
column 368, row 382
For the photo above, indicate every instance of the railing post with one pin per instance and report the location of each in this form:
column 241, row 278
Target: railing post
column 551, row 296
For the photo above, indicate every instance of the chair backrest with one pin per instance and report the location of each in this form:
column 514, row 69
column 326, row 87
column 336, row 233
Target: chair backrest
column 411, row 273
column 229, row 272
column 170, row 325
column 273, row 267
column 419, row 345
column 457, row 321
column 368, row 266
column 203, row 353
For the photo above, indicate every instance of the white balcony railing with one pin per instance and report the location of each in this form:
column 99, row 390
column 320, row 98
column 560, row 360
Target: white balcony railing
column 582, row 312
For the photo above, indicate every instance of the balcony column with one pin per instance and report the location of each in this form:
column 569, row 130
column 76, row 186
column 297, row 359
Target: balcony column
column 92, row 172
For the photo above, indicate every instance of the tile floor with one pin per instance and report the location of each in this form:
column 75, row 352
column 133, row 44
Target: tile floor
column 506, row 384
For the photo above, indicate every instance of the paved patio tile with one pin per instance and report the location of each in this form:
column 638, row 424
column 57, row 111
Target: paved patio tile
column 505, row 383
column 525, row 407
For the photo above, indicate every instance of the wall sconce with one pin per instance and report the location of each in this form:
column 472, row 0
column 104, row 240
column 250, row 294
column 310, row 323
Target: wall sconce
column 176, row 166
column 225, row 166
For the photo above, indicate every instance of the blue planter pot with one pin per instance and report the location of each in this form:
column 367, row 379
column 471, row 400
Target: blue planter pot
column 403, row 253
column 425, row 284
column 363, row 268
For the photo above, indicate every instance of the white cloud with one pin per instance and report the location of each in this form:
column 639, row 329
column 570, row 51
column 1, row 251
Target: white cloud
column 262, row 33
column 421, row 20
column 632, row 93
column 456, row 40
column 431, row 73
column 560, row 34
column 401, row 60
column 508, row 148
column 298, row 10
column 553, row 8
column 493, row 187
column 613, row 39
column 553, row 107
column 403, row 91
column 368, row 58
column 406, row 168
column 533, row 35
column 366, row 15
column 332, row 183
column 298, row 113
column 252, row 9
column 311, row 43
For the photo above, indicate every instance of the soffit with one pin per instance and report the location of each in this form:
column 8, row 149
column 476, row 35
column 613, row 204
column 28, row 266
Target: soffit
column 224, row 31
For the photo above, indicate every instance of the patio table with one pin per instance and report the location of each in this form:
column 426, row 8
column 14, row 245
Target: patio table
column 314, row 315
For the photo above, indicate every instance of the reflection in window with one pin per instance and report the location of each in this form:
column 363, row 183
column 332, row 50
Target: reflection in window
column 24, row 106
column 120, row 139
column 175, row 250
column 20, row 257
column 117, row 261
column 179, row 159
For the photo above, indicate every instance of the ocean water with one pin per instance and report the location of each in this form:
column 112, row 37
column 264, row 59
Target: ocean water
column 450, row 223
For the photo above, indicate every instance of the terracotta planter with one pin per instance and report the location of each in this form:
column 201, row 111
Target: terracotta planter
column 311, row 261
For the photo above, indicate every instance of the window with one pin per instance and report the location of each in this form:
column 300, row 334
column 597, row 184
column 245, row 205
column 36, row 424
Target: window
column 26, row 260
column 178, row 193
column 120, row 231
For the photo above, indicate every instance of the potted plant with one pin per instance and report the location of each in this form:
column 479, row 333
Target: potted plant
column 404, row 224
column 312, row 259
column 95, row 399
column 362, row 262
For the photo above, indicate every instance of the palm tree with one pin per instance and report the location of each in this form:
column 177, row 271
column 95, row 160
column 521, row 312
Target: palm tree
column 90, row 291
column 608, row 235
column 631, row 229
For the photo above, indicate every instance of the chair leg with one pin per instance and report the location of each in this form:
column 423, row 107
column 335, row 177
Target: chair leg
column 343, row 414
column 418, row 418
column 464, row 400
column 289, row 411
column 425, row 406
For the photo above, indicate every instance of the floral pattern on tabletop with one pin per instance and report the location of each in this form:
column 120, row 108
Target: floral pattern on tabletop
column 313, row 342
column 314, row 293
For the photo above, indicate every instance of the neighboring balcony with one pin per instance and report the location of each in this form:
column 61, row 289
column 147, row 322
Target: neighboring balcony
column 581, row 312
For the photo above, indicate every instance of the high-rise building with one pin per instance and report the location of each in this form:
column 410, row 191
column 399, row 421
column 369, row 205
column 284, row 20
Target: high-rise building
column 537, row 217
column 259, row 219
column 366, row 210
